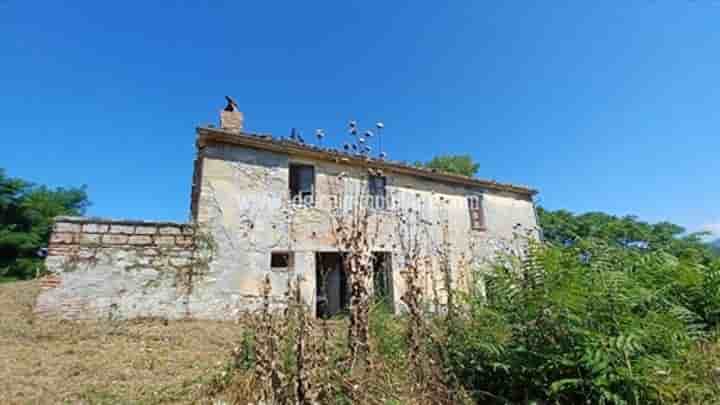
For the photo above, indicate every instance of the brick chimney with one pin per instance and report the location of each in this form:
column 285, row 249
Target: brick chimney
column 231, row 119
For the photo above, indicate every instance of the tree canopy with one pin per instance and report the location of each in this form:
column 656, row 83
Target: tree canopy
column 563, row 227
column 456, row 164
column 26, row 213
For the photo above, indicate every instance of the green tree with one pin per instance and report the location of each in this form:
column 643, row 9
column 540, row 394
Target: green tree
column 563, row 227
column 456, row 164
column 26, row 214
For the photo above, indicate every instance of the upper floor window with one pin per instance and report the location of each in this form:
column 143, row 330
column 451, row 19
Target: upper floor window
column 477, row 212
column 302, row 184
column 377, row 184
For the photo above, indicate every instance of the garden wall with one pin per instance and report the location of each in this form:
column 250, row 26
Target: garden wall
column 106, row 268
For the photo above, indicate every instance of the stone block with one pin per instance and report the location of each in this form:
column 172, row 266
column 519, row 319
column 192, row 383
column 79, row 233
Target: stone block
column 66, row 227
column 65, row 238
column 184, row 240
column 145, row 230
column 122, row 229
column 115, row 239
column 169, row 230
column 140, row 240
column 179, row 261
column 165, row 240
column 89, row 239
column 150, row 252
column 95, row 228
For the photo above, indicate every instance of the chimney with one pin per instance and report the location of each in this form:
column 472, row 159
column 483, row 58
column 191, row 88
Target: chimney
column 231, row 119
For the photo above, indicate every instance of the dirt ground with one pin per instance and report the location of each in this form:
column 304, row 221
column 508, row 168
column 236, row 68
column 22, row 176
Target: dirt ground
column 46, row 361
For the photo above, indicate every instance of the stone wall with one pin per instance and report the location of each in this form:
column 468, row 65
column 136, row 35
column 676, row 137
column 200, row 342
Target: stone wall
column 101, row 267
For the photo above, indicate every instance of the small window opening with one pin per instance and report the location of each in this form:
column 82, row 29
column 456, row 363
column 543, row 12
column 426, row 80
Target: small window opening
column 280, row 260
column 302, row 184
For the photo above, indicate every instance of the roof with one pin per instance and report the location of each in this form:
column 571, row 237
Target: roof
column 210, row 135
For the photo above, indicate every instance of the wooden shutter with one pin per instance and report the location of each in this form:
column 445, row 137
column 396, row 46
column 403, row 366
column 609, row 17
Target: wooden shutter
column 477, row 213
column 377, row 191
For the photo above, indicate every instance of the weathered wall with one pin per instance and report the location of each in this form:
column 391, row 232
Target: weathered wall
column 241, row 201
column 102, row 268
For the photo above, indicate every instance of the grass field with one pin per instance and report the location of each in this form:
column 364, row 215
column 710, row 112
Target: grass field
column 47, row 361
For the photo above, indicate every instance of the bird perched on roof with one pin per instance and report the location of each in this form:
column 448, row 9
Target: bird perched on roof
column 293, row 133
column 346, row 147
column 231, row 104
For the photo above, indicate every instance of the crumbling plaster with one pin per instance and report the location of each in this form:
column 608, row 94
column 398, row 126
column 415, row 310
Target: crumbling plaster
column 241, row 201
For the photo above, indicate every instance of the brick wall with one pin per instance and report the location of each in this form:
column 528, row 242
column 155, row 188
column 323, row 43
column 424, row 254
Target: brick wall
column 101, row 267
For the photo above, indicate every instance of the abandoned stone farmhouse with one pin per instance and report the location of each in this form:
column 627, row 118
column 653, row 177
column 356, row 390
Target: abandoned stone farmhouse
column 263, row 208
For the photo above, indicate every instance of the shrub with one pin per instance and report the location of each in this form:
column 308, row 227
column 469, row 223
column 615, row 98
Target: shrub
column 587, row 323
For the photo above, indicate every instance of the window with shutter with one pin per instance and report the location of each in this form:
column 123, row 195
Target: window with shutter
column 302, row 184
column 477, row 213
column 377, row 191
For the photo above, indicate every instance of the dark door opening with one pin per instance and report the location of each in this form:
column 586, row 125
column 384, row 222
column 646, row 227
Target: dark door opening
column 331, row 285
column 382, row 278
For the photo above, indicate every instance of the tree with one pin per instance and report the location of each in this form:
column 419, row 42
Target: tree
column 456, row 164
column 563, row 227
column 26, row 214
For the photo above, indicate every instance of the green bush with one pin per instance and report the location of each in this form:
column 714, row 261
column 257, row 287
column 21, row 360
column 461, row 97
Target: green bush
column 589, row 323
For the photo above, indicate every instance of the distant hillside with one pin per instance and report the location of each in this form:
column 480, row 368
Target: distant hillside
column 716, row 244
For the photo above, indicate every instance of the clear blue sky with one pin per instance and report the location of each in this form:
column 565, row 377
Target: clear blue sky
column 610, row 106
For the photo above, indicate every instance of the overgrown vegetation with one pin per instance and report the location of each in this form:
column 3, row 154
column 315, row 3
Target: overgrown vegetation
column 26, row 213
column 605, row 310
column 591, row 323
column 587, row 319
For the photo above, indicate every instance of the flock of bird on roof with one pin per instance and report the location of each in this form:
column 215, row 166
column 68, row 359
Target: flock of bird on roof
column 360, row 144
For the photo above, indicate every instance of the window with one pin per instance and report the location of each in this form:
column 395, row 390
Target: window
column 477, row 214
column 280, row 260
column 302, row 184
column 377, row 191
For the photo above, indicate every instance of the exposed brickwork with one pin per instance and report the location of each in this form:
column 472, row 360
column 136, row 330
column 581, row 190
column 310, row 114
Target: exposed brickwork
column 84, row 232
column 99, row 267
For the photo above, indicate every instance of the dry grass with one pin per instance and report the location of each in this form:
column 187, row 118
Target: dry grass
column 45, row 361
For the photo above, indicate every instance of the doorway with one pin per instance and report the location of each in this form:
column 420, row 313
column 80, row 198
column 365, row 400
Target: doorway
column 332, row 286
column 332, row 296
